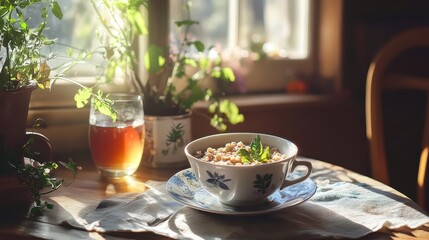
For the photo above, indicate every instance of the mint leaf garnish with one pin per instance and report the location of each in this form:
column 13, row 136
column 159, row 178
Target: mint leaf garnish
column 256, row 153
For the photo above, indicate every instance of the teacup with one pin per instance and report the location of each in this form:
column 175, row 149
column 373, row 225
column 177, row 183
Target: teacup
column 245, row 185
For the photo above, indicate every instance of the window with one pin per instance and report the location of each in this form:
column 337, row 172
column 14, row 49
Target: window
column 73, row 34
column 277, row 31
column 77, row 33
column 278, row 28
column 281, row 27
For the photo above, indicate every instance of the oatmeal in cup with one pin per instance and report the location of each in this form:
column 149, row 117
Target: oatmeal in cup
column 243, row 169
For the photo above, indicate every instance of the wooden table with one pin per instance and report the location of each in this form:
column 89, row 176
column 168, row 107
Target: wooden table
column 89, row 189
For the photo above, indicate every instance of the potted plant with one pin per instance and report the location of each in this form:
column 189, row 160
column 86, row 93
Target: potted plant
column 24, row 67
column 178, row 77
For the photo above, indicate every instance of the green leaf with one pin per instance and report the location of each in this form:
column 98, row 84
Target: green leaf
column 228, row 74
column 3, row 12
column 23, row 25
column 203, row 63
column 44, row 13
column 69, row 52
column 104, row 105
column 71, row 166
column 256, row 148
column 209, row 94
column 36, row 211
column 193, row 94
column 135, row 4
column 266, row 154
column 216, row 73
column 199, row 45
column 256, row 153
column 137, row 21
column 231, row 111
column 190, row 62
column 105, row 109
column 245, row 155
column 225, row 73
column 47, row 41
column 154, row 59
column 82, row 97
column 212, row 107
column 217, row 122
column 56, row 10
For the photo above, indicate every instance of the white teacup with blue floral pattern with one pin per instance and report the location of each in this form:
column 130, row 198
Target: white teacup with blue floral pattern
column 245, row 185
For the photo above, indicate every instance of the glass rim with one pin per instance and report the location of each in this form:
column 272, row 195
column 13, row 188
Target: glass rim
column 124, row 97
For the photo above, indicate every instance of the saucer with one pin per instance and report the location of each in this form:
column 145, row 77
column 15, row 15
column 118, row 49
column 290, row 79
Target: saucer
column 185, row 188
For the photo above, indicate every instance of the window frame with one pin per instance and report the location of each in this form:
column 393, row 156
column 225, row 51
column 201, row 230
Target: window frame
column 159, row 29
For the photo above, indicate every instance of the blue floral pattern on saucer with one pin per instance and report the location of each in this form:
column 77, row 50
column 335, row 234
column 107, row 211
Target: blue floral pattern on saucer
column 185, row 188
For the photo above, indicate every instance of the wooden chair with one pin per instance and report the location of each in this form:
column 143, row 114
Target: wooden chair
column 381, row 78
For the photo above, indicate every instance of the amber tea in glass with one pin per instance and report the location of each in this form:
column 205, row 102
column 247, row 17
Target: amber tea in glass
column 117, row 146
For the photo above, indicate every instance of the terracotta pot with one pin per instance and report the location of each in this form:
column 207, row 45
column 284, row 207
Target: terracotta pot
column 13, row 136
column 16, row 198
column 14, row 109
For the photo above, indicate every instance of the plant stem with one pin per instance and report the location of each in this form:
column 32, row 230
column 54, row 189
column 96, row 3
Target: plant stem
column 94, row 6
column 69, row 80
column 182, row 51
column 128, row 49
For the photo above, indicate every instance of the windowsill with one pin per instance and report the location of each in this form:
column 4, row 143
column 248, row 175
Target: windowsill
column 67, row 128
column 273, row 99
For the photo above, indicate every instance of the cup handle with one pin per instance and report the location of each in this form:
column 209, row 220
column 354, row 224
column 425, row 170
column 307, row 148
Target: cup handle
column 295, row 164
column 40, row 146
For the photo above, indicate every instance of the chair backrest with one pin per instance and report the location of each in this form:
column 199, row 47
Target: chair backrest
column 380, row 78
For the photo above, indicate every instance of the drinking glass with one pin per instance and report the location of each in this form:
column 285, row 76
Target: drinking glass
column 117, row 146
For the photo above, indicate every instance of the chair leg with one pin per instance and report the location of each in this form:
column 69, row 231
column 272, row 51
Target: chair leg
column 422, row 172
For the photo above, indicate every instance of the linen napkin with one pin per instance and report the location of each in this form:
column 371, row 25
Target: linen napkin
column 129, row 212
column 339, row 210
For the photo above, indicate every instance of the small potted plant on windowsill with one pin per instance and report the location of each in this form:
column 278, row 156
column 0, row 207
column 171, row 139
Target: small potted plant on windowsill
column 24, row 67
column 177, row 79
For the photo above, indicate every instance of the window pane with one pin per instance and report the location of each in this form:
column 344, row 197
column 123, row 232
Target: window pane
column 278, row 28
column 78, row 32
column 75, row 31
column 212, row 16
column 273, row 28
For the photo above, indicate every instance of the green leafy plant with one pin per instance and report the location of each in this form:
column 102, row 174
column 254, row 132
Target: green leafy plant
column 38, row 176
column 21, row 44
column 167, row 68
column 257, row 152
column 24, row 50
column 24, row 60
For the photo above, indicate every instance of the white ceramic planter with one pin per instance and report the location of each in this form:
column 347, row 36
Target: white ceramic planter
column 165, row 140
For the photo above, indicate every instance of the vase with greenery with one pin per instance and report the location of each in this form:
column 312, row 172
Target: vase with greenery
column 24, row 65
column 177, row 76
